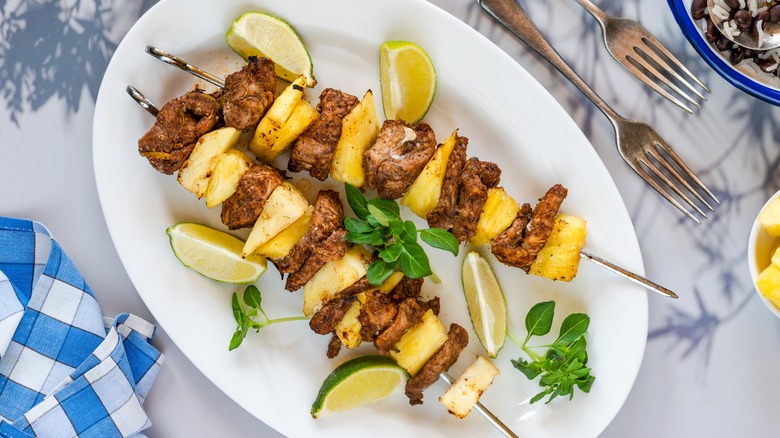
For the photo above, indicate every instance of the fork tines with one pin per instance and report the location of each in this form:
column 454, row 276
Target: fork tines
column 652, row 63
column 673, row 173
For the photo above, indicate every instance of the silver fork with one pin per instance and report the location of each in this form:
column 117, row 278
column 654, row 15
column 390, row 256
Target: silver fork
column 645, row 57
column 639, row 145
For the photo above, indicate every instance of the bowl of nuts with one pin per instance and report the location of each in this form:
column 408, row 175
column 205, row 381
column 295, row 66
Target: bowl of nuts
column 754, row 71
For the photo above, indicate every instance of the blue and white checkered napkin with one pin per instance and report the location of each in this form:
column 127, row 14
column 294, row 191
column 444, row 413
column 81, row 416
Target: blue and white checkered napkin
column 64, row 371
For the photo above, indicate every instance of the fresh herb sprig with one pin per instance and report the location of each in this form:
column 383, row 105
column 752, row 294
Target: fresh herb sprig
column 253, row 318
column 563, row 366
column 379, row 224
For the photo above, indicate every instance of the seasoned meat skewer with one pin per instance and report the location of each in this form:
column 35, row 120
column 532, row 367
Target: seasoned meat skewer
column 248, row 94
column 314, row 149
column 242, row 209
column 441, row 361
column 519, row 244
column 331, row 249
column 476, row 179
column 399, row 155
column 446, row 211
column 178, row 125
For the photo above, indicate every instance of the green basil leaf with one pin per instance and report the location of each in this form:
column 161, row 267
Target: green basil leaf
column 573, row 327
column 408, row 232
column 237, row 338
column 530, row 369
column 378, row 238
column 586, row 384
column 538, row 397
column 238, row 311
column 391, row 252
column 354, row 225
column 441, row 239
column 539, row 319
column 252, row 296
column 379, row 215
column 363, row 239
column 414, row 262
column 378, row 271
column 356, row 201
column 582, row 372
column 387, row 206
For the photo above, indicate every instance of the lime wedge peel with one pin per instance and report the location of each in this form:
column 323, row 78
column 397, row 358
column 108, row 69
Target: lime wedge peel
column 214, row 254
column 264, row 35
column 485, row 301
column 358, row 382
column 408, row 81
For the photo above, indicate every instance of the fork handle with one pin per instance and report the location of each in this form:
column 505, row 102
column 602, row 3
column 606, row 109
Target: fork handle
column 597, row 13
column 512, row 16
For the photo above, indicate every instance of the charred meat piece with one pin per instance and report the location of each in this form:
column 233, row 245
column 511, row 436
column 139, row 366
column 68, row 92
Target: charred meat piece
column 242, row 209
column 327, row 318
column 334, row 346
column 400, row 153
column 446, row 211
column 442, row 360
column 407, row 288
column 410, row 312
column 355, row 288
column 314, row 149
column 180, row 123
column 331, row 249
column 522, row 241
column 249, row 93
column 327, row 217
column 376, row 314
column 477, row 178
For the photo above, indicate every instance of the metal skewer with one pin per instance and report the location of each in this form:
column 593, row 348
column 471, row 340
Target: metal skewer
column 184, row 65
column 489, row 416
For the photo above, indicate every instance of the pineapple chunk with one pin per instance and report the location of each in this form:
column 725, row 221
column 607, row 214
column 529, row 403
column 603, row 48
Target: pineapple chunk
column 768, row 283
column 224, row 179
column 461, row 397
column 560, row 257
column 333, row 277
column 497, row 215
column 273, row 134
column 769, row 217
column 285, row 206
column 390, row 282
column 281, row 244
column 359, row 130
column 194, row 175
column 348, row 329
column 424, row 193
column 419, row 343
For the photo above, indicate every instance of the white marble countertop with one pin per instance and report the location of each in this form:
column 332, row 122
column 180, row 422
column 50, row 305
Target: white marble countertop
column 709, row 367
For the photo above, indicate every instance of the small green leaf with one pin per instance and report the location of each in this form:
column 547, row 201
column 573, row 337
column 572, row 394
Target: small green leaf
column 379, row 270
column 238, row 311
column 354, row 225
column 356, row 201
column 379, row 215
column 252, row 296
column 538, row 397
column 414, row 262
column 408, row 232
column 387, row 206
column 378, row 238
column 237, row 338
column 573, row 327
column 391, row 252
column 362, row 239
column 586, row 384
column 441, row 239
column 539, row 319
column 530, row 369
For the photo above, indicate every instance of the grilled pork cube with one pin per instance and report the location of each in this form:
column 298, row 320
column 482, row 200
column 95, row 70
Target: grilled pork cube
column 328, row 317
column 425, row 191
column 399, row 155
column 441, row 361
column 519, row 244
column 329, row 250
column 244, row 206
column 179, row 124
column 327, row 217
column 313, row 150
column 248, row 94
column 476, row 179
column 445, row 212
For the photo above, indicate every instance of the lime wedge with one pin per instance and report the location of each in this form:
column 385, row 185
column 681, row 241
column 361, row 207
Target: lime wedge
column 486, row 304
column 214, row 254
column 263, row 35
column 408, row 80
column 358, row 382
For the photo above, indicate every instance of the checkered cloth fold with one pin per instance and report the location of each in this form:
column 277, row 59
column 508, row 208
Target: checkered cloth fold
column 64, row 370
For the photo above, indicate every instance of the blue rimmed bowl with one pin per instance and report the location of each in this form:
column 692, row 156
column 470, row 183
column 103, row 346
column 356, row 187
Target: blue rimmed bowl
column 744, row 77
